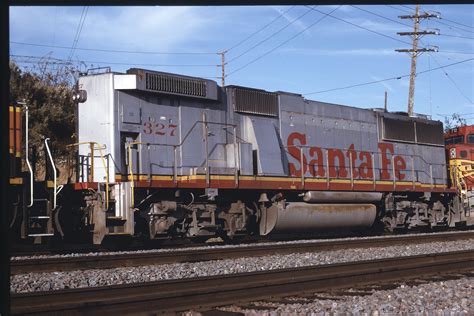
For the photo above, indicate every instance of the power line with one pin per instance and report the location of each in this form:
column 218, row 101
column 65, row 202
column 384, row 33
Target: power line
column 113, row 50
column 455, row 27
column 77, row 32
column 399, row 9
column 116, row 63
column 64, row 62
column 85, row 10
column 452, row 80
column 381, row 16
column 410, row 8
column 455, row 52
column 449, row 35
column 395, row 21
column 283, row 43
column 398, row 22
column 443, row 114
column 259, row 30
column 364, row 28
column 469, row 26
column 268, row 37
column 373, row 13
column 388, row 79
column 447, row 24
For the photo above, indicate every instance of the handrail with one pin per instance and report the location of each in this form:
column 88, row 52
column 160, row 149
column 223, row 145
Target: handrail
column 99, row 147
column 129, row 151
column 209, row 123
column 130, row 168
column 30, row 169
column 54, row 172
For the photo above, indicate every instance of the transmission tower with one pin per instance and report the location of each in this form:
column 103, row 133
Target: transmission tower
column 415, row 51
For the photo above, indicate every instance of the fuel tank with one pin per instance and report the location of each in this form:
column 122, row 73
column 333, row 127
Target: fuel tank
column 305, row 217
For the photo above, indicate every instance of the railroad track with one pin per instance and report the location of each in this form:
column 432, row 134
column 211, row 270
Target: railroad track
column 207, row 292
column 105, row 261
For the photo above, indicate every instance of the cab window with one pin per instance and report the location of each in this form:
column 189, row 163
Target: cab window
column 470, row 139
column 455, row 140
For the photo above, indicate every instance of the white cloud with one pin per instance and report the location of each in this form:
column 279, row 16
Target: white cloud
column 298, row 24
column 389, row 27
column 343, row 8
column 133, row 28
column 149, row 28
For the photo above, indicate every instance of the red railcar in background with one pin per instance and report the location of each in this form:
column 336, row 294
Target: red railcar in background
column 460, row 152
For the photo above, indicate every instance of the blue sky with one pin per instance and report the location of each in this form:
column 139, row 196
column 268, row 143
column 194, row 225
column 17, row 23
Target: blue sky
column 300, row 50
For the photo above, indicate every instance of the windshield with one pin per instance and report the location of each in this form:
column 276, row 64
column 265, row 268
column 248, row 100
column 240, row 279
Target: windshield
column 454, row 140
column 470, row 139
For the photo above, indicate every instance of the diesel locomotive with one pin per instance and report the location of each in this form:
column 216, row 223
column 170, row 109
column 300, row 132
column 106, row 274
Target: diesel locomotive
column 162, row 155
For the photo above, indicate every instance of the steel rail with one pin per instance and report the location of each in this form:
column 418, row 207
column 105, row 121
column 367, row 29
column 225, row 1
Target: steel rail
column 205, row 292
column 203, row 254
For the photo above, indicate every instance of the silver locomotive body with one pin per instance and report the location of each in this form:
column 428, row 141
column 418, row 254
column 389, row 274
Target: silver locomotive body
column 192, row 158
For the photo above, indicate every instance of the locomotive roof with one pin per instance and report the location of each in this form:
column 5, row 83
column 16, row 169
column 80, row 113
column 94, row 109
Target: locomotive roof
column 396, row 114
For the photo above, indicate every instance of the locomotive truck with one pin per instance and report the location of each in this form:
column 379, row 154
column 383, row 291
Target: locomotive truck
column 161, row 155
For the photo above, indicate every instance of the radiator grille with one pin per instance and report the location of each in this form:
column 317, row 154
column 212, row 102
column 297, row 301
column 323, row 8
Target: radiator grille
column 429, row 133
column 163, row 83
column 412, row 131
column 398, row 130
column 255, row 102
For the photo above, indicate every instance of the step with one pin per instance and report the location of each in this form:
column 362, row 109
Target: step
column 39, row 217
column 40, row 235
column 116, row 219
column 118, row 234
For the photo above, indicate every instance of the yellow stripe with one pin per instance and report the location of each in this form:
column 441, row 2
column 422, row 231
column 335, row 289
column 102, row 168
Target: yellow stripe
column 459, row 161
column 434, row 185
column 275, row 179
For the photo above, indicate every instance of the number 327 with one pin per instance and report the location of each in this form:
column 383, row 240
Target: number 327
column 159, row 129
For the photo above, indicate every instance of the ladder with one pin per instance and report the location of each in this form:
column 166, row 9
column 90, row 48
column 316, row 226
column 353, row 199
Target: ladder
column 39, row 222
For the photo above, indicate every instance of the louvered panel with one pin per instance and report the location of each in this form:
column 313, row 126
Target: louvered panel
column 254, row 101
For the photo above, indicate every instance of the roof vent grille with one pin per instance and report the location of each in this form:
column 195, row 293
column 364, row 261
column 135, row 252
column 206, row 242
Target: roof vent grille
column 163, row 83
column 255, row 101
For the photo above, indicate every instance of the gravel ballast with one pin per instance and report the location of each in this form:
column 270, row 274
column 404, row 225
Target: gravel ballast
column 168, row 250
column 452, row 297
column 46, row 281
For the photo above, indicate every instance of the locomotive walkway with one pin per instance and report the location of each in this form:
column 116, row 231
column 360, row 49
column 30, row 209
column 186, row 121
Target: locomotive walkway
column 206, row 292
column 105, row 261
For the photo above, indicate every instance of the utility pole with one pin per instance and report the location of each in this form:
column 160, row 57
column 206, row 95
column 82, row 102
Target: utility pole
column 223, row 67
column 415, row 51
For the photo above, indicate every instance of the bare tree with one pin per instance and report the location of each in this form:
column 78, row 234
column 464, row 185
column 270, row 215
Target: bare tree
column 455, row 120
